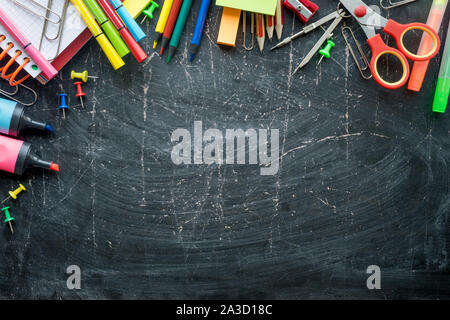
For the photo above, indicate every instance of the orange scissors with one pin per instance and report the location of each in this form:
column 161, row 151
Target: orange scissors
column 370, row 21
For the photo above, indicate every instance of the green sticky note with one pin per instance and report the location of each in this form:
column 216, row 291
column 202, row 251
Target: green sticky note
column 259, row 6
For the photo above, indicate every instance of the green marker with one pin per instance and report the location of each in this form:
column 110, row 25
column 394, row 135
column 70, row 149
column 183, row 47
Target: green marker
column 181, row 21
column 108, row 28
column 443, row 83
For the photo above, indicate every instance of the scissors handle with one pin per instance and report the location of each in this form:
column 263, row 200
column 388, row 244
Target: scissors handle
column 398, row 31
column 379, row 48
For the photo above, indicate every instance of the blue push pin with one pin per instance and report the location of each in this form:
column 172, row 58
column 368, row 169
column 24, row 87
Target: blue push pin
column 63, row 106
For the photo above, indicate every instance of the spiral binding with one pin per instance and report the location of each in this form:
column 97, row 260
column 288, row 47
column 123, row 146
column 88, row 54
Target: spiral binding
column 11, row 77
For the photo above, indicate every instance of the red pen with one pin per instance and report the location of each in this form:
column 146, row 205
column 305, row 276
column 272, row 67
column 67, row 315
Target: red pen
column 132, row 44
column 170, row 24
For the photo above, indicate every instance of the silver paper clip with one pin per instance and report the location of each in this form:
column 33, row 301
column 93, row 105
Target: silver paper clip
column 362, row 68
column 37, row 4
column 10, row 95
column 393, row 4
column 60, row 28
column 244, row 30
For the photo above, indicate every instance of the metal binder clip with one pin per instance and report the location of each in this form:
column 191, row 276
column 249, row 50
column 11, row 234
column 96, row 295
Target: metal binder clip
column 393, row 4
column 37, row 4
column 252, row 30
column 10, row 95
column 362, row 68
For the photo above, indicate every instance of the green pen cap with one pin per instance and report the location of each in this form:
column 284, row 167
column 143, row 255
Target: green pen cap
column 115, row 38
column 110, row 31
column 441, row 96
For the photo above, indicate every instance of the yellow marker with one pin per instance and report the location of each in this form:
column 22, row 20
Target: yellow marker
column 15, row 193
column 162, row 21
column 112, row 55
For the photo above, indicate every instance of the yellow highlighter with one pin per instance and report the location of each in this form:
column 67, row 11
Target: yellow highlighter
column 113, row 57
column 162, row 21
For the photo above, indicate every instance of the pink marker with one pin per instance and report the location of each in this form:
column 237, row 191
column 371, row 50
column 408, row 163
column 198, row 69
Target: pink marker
column 16, row 156
column 48, row 70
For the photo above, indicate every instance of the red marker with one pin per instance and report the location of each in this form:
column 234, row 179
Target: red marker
column 16, row 156
column 132, row 44
column 170, row 24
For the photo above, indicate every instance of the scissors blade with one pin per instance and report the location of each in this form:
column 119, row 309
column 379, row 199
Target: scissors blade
column 370, row 21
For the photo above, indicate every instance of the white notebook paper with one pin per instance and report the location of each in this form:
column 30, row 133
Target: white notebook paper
column 32, row 25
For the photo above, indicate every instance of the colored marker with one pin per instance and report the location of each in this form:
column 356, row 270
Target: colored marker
column 443, row 83
column 181, row 22
column 162, row 21
column 269, row 26
column 198, row 31
column 132, row 44
column 112, row 55
column 260, row 31
column 168, row 31
column 278, row 20
column 13, row 119
column 419, row 68
column 134, row 28
column 17, row 156
column 108, row 28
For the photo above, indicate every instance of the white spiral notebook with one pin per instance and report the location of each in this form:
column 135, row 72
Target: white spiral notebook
column 29, row 17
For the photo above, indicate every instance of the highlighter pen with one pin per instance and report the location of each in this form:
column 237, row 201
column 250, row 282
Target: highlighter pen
column 133, row 27
column 443, row 83
column 108, row 28
column 47, row 68
column 181, row 22
column 135, row 48
column 14, row 119
column 198, row 31
column 112, row 55
column 168, row 31
column 162, row 21
column 419, row 68
column 17, row 156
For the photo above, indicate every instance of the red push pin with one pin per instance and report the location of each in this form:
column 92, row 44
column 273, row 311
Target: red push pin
column 80, row 92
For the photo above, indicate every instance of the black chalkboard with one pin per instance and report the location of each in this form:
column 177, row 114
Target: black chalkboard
column 363, row 179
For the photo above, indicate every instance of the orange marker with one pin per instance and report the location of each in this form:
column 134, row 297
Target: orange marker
column 420, row 67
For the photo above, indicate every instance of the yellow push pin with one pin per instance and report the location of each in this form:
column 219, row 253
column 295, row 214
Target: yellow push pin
column 15, row 193
column 81, row 75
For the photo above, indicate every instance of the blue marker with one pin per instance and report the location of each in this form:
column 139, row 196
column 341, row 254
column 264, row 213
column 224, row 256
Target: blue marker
column 135, row 30
column 198, row 32
column 13, row 119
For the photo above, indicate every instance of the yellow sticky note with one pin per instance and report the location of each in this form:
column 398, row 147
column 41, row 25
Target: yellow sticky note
column 259, row 6
column 229, row 26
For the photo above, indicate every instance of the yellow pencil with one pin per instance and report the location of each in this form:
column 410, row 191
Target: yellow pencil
column 112, row 55
column 162, row 21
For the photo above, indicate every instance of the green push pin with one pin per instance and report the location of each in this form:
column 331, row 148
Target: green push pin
column 150, row 10
column 8, row 218
column 325, row 52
